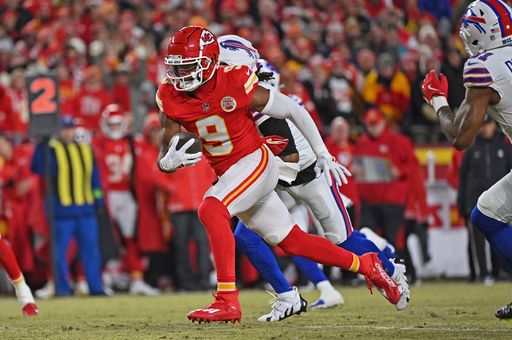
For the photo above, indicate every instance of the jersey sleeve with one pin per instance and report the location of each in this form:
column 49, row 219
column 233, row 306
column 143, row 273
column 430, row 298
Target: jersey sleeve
column 162, row 100
column 243, row 81
column 476, row 74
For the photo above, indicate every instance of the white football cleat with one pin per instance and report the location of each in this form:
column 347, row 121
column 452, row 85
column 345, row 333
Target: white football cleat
column 25, row 298
column 403, row 286
column 81, row 288
column 329, row 296
column 48, row 291
column 285, row 305
column 139, row 287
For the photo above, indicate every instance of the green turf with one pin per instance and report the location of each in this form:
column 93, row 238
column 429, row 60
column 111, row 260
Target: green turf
column 437, row 310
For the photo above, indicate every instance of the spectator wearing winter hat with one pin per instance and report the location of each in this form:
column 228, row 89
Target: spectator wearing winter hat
column 387, row 89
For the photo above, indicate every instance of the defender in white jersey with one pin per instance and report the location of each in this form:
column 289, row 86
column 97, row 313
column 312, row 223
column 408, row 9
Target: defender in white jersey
column 487, row 34
column 317, row 190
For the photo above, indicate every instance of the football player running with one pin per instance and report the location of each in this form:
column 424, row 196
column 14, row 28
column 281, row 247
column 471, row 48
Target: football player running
column 235, row 50
column 322, row 198
column 486, row 31
column 215, row 102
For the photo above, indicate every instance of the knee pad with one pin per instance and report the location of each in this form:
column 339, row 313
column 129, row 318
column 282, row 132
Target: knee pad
column 491, row 204
column 484, row 201
column 209, row 207
column 486, row 224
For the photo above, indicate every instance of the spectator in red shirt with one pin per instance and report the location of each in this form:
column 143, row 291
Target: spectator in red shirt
column 153, row 229
column 92, row 99
column 6, row 111
column 18, row 94
column 382, row 167
column 19, row 193
column 121, row 94
column 66, row 90
column 188, row 185
column 339, row 146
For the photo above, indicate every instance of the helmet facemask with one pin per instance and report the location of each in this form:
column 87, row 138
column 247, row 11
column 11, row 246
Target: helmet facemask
column 471, row 47
column 115, row 127
column 187, row 74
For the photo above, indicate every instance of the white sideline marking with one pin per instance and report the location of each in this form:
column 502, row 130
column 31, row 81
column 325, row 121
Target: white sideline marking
column 409, row 328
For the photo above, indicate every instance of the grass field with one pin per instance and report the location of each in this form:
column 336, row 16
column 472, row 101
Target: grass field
column 437, row 310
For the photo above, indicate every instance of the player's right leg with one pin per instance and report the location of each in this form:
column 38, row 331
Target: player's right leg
column 287, row 300
column 270, row 218
column 328, row 208
column 329, row 296
column 493, row 217
column 239, row 188
column 23, row 293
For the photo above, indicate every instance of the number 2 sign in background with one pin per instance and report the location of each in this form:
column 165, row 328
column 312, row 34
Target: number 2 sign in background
column 43, row 103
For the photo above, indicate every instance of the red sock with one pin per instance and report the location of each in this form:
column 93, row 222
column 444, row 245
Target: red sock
column 318, row 249
column 8, row 261
column 132, row 259
column 216, row 220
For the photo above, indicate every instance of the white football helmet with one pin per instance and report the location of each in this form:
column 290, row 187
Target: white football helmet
column 235, row 50
column 486, row 24
column 113, row 122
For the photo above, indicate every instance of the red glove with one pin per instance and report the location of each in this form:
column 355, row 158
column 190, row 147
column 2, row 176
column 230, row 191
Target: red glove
column 434, row 86
column 276, row 144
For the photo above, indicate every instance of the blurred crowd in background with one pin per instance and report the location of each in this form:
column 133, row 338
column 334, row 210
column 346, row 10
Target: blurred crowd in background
column 355, row 64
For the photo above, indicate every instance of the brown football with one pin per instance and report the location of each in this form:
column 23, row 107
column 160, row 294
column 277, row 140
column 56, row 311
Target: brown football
column 185, row 137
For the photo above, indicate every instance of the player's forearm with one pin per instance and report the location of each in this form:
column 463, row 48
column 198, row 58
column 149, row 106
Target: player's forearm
column 455, row 126
column 281, row 106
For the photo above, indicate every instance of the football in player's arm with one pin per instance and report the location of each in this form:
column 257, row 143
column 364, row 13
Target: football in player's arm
column 272, row 103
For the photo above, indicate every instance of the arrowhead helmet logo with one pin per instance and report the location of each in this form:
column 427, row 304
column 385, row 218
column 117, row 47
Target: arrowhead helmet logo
column 207, row 38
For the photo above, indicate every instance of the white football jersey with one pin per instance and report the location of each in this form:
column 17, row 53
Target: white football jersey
column 493, row 69
column 306, row 154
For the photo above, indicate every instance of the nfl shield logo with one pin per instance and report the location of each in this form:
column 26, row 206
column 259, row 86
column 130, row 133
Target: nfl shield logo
column 206, row 107
column 228, row 104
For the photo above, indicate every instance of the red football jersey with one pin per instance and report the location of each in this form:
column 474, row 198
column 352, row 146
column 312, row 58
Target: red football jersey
column 89, row 103
column 219, row 113
column 115, row 162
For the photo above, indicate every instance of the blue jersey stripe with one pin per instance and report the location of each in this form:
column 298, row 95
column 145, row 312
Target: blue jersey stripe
column 477, row 80
column 476, row 70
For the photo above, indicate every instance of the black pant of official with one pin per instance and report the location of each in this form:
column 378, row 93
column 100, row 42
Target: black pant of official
column 187, row 225
column 385, row 219
column 479, row 252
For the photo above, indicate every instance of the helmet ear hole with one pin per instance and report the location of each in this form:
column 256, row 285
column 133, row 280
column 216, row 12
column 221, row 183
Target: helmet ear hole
column 475, row 42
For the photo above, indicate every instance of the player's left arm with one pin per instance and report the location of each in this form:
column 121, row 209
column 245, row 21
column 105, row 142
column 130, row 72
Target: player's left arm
column 460, row 128
column 278, row 105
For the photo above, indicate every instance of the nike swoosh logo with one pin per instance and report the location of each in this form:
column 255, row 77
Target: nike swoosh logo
column 432, row 88
column 471, row 64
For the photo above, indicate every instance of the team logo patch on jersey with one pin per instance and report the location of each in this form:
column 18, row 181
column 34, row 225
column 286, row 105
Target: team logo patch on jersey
column 228, row 104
